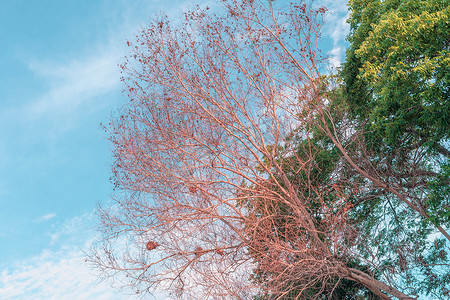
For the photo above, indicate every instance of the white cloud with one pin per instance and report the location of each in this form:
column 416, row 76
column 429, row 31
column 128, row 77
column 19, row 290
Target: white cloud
column 73, row 230
column 78, row 80
column 46, row 217
column 75, row 82
column 337, row 29
column 61, row 273
column 92, row 72
column 54, row 275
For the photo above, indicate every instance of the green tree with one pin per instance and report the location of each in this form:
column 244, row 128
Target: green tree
column 396, row 76
column 397, row 70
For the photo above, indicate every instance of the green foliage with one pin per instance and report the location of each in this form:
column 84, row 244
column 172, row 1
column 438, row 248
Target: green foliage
column 398, row 68
column 397, row 76
column 438, row 202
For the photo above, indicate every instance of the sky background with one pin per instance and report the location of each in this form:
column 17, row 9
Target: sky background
column 58, row 80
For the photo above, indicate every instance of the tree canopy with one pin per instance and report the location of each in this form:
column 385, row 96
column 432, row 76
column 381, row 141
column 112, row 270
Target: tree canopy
column 244, row 172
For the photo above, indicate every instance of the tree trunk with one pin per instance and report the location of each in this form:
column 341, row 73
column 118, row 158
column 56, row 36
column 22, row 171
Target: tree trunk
column 377, row 287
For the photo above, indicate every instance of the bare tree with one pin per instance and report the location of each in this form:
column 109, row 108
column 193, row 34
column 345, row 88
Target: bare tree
column 205, row 153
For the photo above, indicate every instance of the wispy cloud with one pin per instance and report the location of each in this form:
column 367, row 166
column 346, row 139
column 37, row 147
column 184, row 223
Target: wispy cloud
column 62, row 273
column 83, row 77
column 337, row 29
column 54, row 275
column 46, row 217
column 74, row 82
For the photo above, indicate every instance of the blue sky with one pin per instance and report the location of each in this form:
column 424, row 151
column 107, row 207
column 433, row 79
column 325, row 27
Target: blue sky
column 59, row 80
